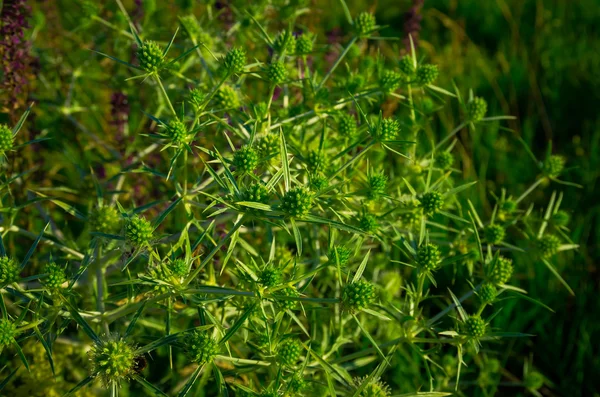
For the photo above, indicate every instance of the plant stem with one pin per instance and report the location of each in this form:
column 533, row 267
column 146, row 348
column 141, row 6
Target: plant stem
column 110, row 25
column 162, row 88
column 212, row 253
column 337, row 61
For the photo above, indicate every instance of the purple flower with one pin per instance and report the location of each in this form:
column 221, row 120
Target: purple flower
column 412, row 23
column 14, row 50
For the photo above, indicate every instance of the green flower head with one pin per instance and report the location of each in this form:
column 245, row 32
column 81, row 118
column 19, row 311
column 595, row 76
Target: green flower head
column 548, row 245
column 501, row 271
column 150, row 56
column 297, row 202
column 6, row 139
column 138, row 231
column 276, row 73
column 9, row 270
column 429, row 257
column 289, row 351
column 432, row 202
column 200, row 346
column 112, row 360
column 494, row 233
column 358, row 295
column 427, row 74
column 476, row 109
column 304, row 44
column 227, row 98
column 245, row 159
column 475, row 326
column 8, row 331
column 364, row 24
column 235, row 60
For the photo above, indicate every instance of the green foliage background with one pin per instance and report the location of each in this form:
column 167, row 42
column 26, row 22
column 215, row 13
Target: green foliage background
column 537, row 60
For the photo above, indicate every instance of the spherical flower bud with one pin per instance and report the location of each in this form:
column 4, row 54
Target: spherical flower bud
column 200, row 346
column 270, row 277
column 429, row 257
column 432, row 202
column 197, row 97
column 427, row 74
column 534, row 380
column 288, row 352
column 257, row 192
column 112, row 360
column 548, row 245
column 561, row 218
column 296, row 384
column 288, row 304
column 388, row 129
column 316, row 160
column 554, row 166
column 177, row 131
column 105, row 219
column 245, row 159
column 276, row 73
column 410, row 218
column 368, row 223
column 375, row 388
column 9, row 270
column 179, row 267
column 475, row 326
column 55, row 278
column 347, row 125
column 364, row 24
column 406, row 65
column 318, row 182
column 494, row 233
column 138, row 231
column 476, row 109
column 235, row 60
column 502, row 270
column 268, row 146
column 358, row 295
column 304, row 44
column 6, row 139
column 339, row 254
column 227, row 98
column 150, row 56
column 285, row 42
column 8, row 331
column 487, row 293
column 509, row 206
column 377, row 185
column 297, row 202
column 389, row 80
column 444, row 160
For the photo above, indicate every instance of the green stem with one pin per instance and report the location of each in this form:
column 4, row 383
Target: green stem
column 413, row 118
column 110, row 25
column 531, row 189
column 212, row 253
column 162, row 88
column 185, row 172
column 337, row 61
column 353, row 160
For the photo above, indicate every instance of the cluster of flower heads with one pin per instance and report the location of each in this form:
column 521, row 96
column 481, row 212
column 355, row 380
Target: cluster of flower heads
column 298, row 231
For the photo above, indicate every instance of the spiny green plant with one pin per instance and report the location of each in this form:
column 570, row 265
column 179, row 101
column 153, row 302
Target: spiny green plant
column 295, row 223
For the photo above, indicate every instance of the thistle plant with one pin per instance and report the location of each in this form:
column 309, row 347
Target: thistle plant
column 269, row 212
